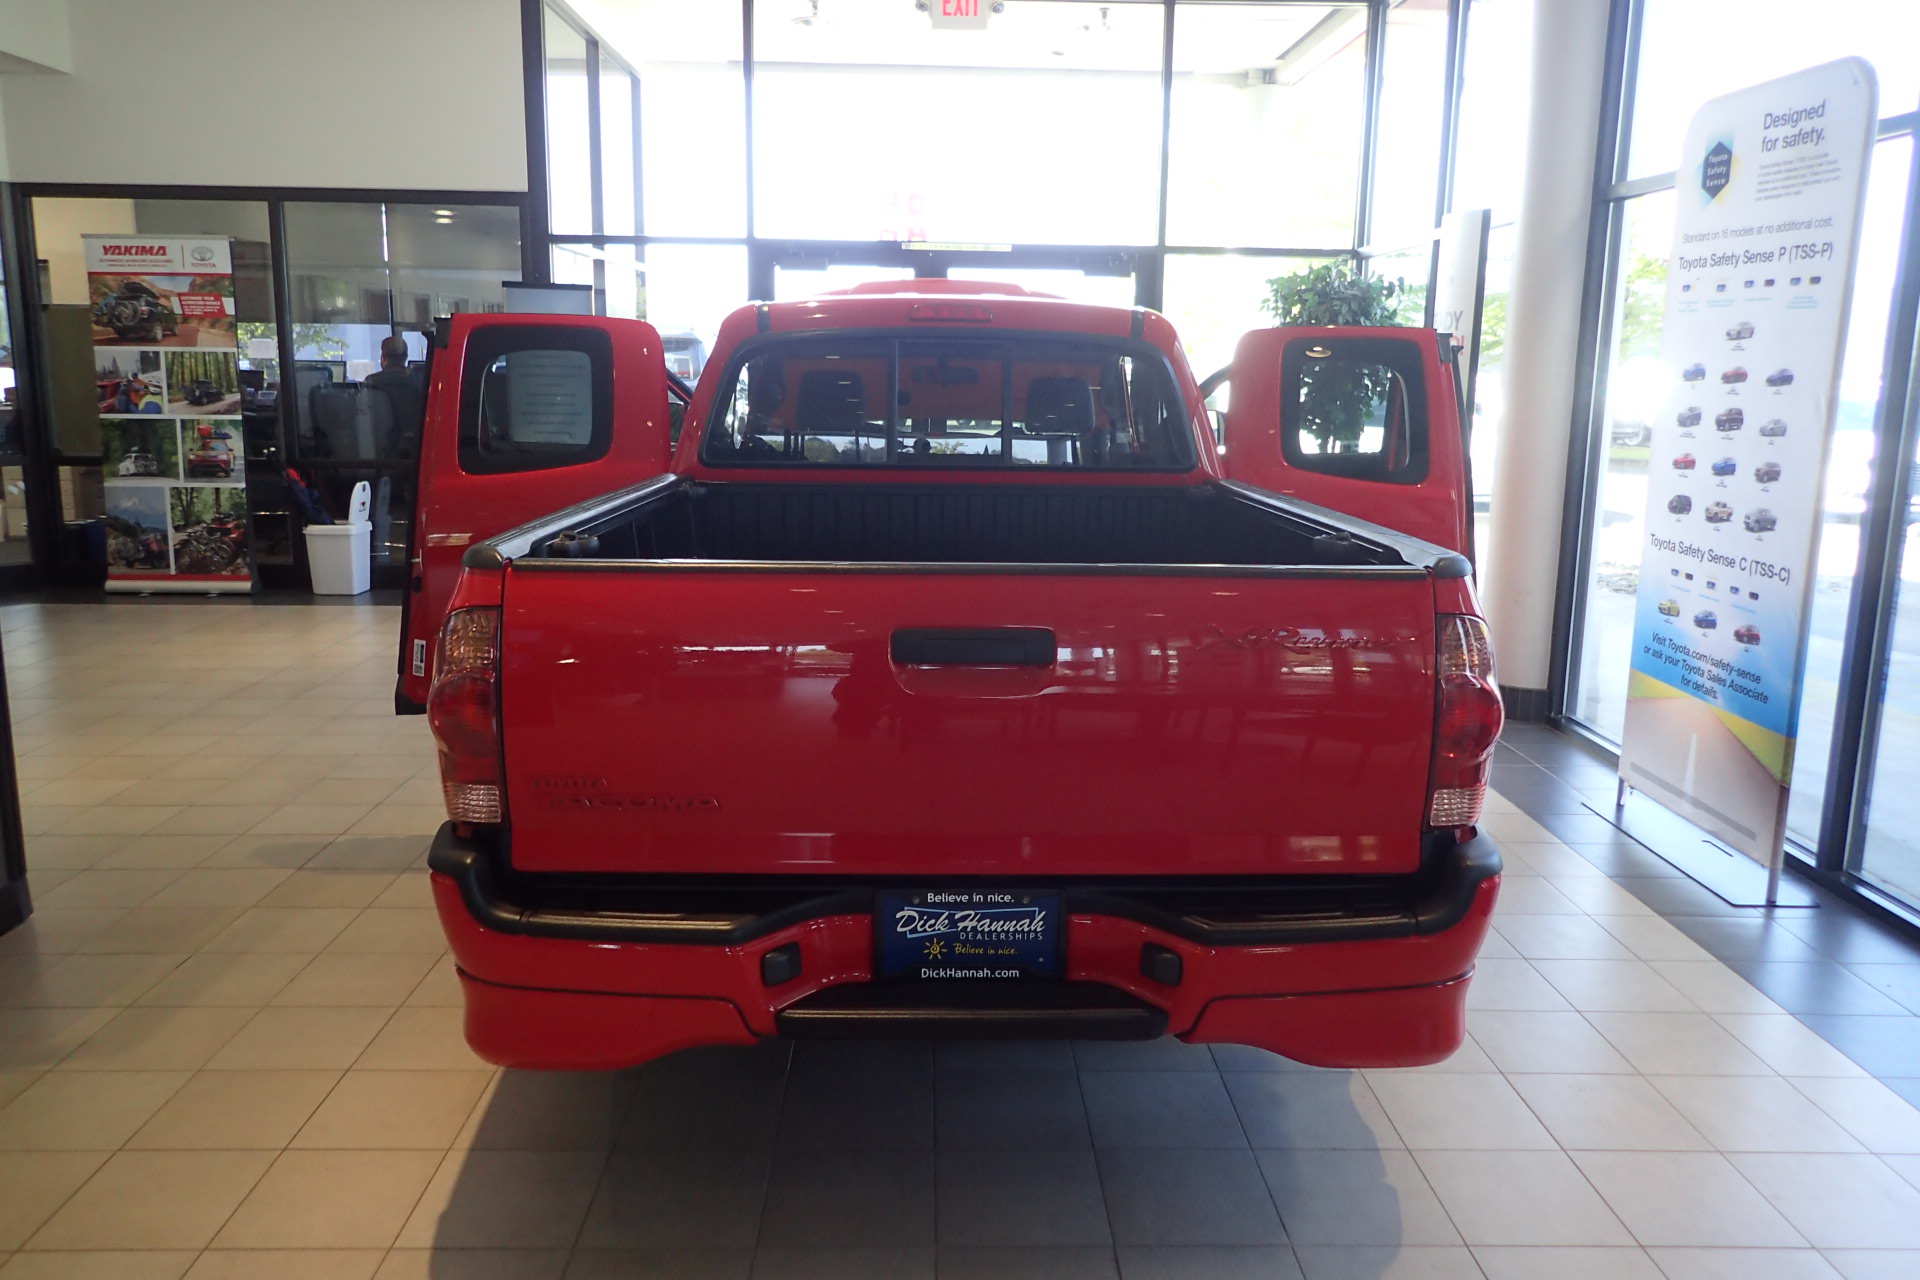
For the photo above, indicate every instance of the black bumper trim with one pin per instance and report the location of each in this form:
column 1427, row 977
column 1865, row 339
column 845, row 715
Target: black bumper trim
column 729, row 910
column 1015, row 1010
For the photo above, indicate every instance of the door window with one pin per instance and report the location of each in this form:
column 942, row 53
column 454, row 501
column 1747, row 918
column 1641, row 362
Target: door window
column 1355, row 408
column 536, row 397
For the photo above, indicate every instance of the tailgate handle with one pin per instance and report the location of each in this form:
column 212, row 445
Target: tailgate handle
column 973, row 647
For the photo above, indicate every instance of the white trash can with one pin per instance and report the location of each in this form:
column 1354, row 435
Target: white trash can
column 341, row 557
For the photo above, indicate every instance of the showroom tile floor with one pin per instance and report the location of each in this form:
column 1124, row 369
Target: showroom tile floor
column 230, row 1047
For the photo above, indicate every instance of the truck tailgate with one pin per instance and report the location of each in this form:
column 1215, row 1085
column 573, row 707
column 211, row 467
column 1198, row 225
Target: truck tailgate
column 693, row 721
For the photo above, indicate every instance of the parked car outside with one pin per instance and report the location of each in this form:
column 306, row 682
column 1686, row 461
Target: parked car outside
column 1695, row 372
column 1705, row 620
column 1747, row 633
column 1773, row 428
column 1767, row 472
column 1684, row 462
column 1759, row 520
column 1780, row 378
column 1730, row 419
column 1718, row 513
column 1740, row 332
column 1735, row 374
column 1671, row 608
column 1680, row 504
column 1725, row 467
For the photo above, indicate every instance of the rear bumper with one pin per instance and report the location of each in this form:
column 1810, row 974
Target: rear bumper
column 574, row 974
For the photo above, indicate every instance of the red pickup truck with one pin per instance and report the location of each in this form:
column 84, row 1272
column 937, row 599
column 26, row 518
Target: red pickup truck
column 953, row 675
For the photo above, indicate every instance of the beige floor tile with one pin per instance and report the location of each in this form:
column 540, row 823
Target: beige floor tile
column 114, row 820
column 550, row 1111
column 1613, row 986
column 400, row 820
column 224, row 887
column 1690, row 1044
column 1521, row 1041
column 1561, row 938
column 286, row 1264
column 15, row 1083
column 1354, row 1198
column 97, row 888
column 71, row 791
column 1838, row 1201
column 284, row 853
column 119, row 1264
column 1548, row 860
column 40, row 820
column 373, row 853
column 505, row 1200
column 149, row 1039
column 236, row 1110
column 91, row 981
column 72, row 853
column 239, row 980
column 216, row 820
column 300, row 1039
column 379, row 766
column 1610, row 1113
column 395, row 1109
column 1459, row 1112
column 39, row 1039
column 1385, row 1262
column 159, row 930
column 1534, row 896
column 1521, row 1263
column 440, row 989
column 410, row 890
column 393, row 929
column 85, row 1110
column 1753, row 1113
column 1599, row 896
column 310, row 820
column 1512, row 984
column 331, row 1199
column 154, row 1200
column 378, row 980
column 1875, row 1115
column 548, row 1264
column 362, row 791
column 156, row 852
column 1874, row 1264
column 1787, row 1044
column 1685, row 1198
column 330, row 889
column 286, row 929
column 1520, row 1198
column 1745, row 1264
column 421, row 1040
column 1713, row 986
column 56, row 930
column 34, row 1184
column 303, row 769
column 161, row 791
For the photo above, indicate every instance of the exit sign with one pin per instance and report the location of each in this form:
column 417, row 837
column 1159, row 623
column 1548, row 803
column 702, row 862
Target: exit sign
column 963, row 15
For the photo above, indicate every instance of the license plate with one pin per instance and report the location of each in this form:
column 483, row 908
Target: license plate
column 969, row 934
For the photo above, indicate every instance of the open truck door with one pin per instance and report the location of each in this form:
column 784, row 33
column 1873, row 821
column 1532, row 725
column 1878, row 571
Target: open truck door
column 525, row 414
column 1349, row 417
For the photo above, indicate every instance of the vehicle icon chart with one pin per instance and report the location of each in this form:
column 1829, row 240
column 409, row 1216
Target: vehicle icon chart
column 1725, row 467
column 1740, row 332
column 1758, row 520
column 1730, row 419
column 1773, row 428
column 1747, row 634
column 1780, row 378
column 1734, row 375
column 1680, row 504
column 1706, row 620
column 1718, row 513
column 1684, row 462
column 1767, row 472
column 1689, row 416
column 1670, row 608
column 1695, row 372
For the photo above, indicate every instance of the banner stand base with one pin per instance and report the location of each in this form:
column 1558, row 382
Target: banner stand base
column 1728, row 874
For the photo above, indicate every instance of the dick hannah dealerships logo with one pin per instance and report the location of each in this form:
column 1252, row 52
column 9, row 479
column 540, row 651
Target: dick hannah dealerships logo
column 1716, row 170
column 970, row 924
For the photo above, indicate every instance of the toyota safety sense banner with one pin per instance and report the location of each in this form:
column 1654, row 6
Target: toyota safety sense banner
column 1767, row 211
column 167, row 377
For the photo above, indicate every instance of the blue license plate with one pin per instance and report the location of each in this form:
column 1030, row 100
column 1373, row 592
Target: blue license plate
column 969, row 933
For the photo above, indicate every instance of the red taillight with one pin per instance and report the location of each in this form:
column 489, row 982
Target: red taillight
column 464, row 712
column 1467, row 721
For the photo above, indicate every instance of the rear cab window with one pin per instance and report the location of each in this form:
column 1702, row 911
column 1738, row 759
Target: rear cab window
column 966, row 401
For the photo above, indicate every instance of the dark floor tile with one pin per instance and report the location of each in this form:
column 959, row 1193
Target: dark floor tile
column 1842, row 935
column 1031, row 1110
column 1884, row 1046
column 1679, row 895
column 657, row 1264
column 1551, row 800
column 1163, row 1054
column 1901, row 981
column 721, row 1097
column 1518, row 774
column 850, row 1199
column 1209, row 1262
column 707, row 1198
column 1299, row 1109
column 1577, row 825
column 1623, row 858
column 554, row 1111
column 857, row 1109
column 844, row 1264
column 1819, row 987
column 1560, row 753
column 1027, row 1264
column 1188, row 1197
column 1748, row 938
column 885, row 1057
column 1030, row 1198
column 1244, row 1057
column 1003, row 1055
column 1160, row 1109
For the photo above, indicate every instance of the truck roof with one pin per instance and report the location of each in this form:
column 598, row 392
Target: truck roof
column 946, row 304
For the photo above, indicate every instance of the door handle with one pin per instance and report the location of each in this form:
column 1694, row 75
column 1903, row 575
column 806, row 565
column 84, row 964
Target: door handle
column 973, row 647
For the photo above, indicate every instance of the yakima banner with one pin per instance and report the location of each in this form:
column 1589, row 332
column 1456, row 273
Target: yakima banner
column 167, row 377
column 1766, row 215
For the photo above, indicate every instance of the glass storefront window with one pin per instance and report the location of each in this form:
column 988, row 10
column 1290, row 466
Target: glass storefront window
column 1691, row 52
column 1213, row 298
column 569, row 137
column 1268, row 116
column 857, row 135
column 1074, row 285
column 1493, row 130
column 1406, row 168
column 619, row 105
column 1489, row 389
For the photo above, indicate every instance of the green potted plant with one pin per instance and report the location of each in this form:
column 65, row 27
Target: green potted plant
column 1337, row 394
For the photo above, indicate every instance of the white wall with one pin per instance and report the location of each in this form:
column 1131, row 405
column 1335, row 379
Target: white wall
column 34, row 36
column 394, row 94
